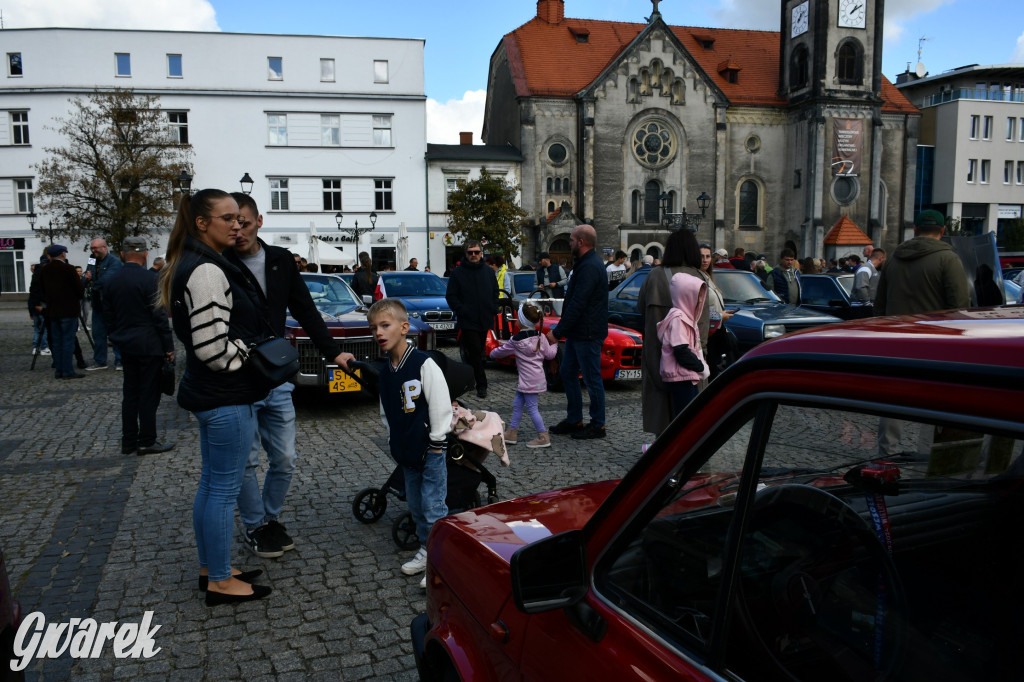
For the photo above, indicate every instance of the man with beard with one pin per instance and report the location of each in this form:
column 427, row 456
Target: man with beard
column 473, row 297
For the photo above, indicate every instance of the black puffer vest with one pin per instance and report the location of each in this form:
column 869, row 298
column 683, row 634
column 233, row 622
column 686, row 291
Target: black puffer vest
column 201, row 388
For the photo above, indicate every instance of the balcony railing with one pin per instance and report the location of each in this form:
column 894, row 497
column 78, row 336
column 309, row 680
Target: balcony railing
column 1016, row 95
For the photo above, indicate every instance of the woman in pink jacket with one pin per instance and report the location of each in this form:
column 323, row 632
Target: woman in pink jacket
column 531, row 349
column 681, row 364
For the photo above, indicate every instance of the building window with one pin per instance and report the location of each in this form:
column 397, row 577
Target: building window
column 635, row 207
column 382, row 195
column 748, row 207
column 654, row 144
column 558, row 185
column 174, row 66
column 380, row 71
column 565, row 185
column 330, row 130
column 178, row 123
column 798, row 73
column 1007, row 172
column 332, row 195
column 326, row 70
column 275, row 68
column 19, row 127
column 987, row 132
column 450, row 185
column 652, row 210
column 1011, row 127
column 849, row 63
column 23, row 190
column 1020, row 130
column 557, row 153
column 972, row 170
column 14, row 64
column 278, row 194
column 381, row 131
column 1020, row 172
column 986, row 166
column 975, row 126
column 277, row 127
column 551, row 185
column 122, row 64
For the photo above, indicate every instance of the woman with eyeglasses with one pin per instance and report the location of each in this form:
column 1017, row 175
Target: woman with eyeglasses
column 216, row 315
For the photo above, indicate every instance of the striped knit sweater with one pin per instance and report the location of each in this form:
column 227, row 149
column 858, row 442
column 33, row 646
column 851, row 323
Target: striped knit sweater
column 208, row 300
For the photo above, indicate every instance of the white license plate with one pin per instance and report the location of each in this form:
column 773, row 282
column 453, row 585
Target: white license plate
column 627, row 373
column 442, row 326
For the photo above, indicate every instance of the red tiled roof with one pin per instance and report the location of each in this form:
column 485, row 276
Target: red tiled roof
column 548, row 60
column 846, row 233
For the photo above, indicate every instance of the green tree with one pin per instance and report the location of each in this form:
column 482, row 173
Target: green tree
column 115, row 175
column 486, row 208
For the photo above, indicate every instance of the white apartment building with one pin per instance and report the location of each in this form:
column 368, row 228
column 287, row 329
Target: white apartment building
column 971, row 144
column 323, row 125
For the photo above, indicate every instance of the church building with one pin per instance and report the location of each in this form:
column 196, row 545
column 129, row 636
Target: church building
column 754, row 138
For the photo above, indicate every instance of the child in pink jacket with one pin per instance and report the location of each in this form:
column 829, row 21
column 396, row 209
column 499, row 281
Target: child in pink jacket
column 682, row 366
column 531, row 349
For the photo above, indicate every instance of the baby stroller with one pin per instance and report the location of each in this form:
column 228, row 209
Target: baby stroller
column 466, row 453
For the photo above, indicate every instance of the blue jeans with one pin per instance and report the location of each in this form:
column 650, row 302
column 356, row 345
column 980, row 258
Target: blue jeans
column 425, row 492
column 225, row 439
column 39, row 331
column 276, row 427
column 585, row 356
column 99, row 338
column 62, row 337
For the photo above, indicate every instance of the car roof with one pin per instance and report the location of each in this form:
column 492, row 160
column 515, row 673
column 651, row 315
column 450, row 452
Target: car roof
column 981, row 337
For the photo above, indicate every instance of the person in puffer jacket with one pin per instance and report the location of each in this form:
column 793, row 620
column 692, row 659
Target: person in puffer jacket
column 531, row 349
column 681, row 364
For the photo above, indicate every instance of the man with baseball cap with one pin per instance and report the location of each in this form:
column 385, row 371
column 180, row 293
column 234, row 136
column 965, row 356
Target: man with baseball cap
column 550, row 277
column 142, row 333
column 924, row 273
column 721, row 259
column 62, row 290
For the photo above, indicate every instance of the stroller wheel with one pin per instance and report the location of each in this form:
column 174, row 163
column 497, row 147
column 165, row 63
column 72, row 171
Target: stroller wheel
column 403, row 532
column 369, row 505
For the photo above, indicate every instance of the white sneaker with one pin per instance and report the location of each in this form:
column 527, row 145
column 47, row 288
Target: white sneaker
column 423, row 583
column 45, row 351
column 417, row 564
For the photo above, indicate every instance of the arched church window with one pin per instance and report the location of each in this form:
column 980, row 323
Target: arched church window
column 551, row 185
column 651, row 209
column 849, row 62
column 654, row 143
column 748, row 206
column 798, row 71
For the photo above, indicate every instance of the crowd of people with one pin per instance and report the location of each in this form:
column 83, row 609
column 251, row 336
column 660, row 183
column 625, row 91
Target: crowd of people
column 226, row 291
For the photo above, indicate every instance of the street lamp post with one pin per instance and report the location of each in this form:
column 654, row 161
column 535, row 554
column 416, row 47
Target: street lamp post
column 185, row 183
column 246, row 183
column 691, row 221
column 32, row 218
column 355, row 232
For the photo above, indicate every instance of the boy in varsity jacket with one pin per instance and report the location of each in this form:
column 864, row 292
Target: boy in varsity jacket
column 417, row 411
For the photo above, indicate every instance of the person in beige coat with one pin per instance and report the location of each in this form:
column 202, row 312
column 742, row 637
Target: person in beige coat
column 682, row 254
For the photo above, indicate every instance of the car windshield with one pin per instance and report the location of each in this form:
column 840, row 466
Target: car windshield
column 743, row 287
column 331, row 295
column 524, row 282
column 423, row 284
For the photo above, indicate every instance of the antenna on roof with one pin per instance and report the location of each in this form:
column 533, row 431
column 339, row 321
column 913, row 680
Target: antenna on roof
column 920, row 70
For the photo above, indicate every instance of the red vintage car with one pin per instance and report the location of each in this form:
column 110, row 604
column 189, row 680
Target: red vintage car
column 621, row 354
column 841, row 504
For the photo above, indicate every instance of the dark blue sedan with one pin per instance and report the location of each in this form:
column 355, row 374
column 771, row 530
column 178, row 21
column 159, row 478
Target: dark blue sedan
column 761, row 315
column 423, row 296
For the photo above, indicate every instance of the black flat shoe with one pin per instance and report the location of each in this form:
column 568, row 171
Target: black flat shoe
column 218, row 598
column 244, row 576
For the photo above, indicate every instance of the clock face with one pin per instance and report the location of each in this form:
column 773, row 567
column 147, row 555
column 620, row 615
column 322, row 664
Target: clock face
column 799, row 19
column 852, row 13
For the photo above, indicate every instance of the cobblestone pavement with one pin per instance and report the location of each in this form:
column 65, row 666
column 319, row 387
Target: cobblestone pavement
column 91, row 533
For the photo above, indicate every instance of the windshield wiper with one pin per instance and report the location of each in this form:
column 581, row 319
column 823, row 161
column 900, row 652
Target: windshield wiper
column 759, row 299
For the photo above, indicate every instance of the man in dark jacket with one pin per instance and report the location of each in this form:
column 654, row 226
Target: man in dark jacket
column 62, row 290
column 550, row 277
column 584, row 326
column 924, row 273
column 272, row 273
column 473, row 297
column 102, row 267
column 142, row 333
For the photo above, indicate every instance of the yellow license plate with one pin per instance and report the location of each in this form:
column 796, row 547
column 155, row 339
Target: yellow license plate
column 341, row 382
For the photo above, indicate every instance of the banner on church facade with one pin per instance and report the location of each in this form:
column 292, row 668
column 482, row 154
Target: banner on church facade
column 847, row 134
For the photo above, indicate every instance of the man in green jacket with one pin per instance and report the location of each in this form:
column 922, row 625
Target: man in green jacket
column 924, row 273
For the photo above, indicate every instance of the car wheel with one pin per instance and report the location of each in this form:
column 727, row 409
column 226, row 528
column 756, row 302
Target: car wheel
column 369, row 505
column 809, row 562
column 403, row 532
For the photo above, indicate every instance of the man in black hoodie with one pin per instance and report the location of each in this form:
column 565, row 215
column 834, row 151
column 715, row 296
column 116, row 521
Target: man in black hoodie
column 473, row 297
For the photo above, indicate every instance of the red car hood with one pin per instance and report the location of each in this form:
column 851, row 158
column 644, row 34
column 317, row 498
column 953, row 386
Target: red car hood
column 506, row 526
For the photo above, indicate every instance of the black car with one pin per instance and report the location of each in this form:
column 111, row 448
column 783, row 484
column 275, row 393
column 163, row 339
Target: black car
column 832, row 293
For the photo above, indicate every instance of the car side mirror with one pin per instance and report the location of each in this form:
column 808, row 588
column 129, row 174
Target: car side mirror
column 550, row 574
column 367, row 299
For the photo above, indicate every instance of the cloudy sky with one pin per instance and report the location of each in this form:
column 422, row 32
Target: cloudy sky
column 461, row 34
